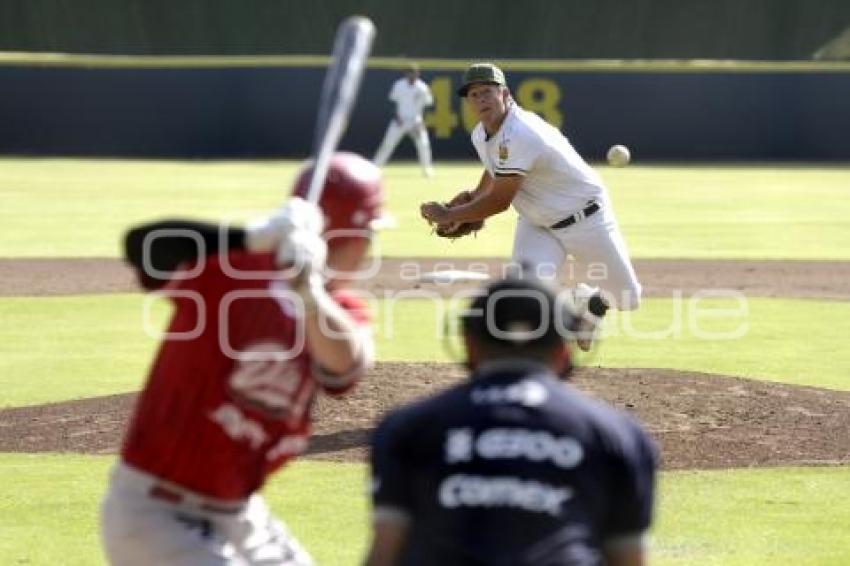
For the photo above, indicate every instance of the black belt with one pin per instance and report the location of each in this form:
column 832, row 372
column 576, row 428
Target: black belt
column 588, row 210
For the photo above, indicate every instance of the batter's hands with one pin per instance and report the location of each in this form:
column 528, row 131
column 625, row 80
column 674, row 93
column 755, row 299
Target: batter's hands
column 302, row 249
column 299, row 225
column 303, row 254
column 267, row 233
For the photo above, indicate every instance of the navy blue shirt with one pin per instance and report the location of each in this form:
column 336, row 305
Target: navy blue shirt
column 513, row 467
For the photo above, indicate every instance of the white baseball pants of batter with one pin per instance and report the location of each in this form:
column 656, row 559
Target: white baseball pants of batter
column 137, row 529
column 596, row 245
column 417, row 132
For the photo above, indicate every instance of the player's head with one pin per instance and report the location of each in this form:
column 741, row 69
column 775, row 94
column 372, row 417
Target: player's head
column 481, row 74
column 411, row 72
column 519, row 317
column 351, row 201
column 485, row 88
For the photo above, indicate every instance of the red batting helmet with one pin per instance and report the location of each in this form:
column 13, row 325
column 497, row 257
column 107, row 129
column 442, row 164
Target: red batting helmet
column 352, row 196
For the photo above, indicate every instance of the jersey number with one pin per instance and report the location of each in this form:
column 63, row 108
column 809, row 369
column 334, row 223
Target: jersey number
column 272, row 385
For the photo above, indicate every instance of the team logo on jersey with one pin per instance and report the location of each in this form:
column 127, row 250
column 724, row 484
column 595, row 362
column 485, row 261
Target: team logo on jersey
column 503, row 152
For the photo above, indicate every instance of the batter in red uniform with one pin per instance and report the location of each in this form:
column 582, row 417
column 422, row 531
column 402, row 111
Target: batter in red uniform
column 263, row 321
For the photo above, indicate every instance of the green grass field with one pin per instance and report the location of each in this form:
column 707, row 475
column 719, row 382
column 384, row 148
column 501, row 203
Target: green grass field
column 105, row 348
column 56, row 348
column 728, row 518
column 61, row 207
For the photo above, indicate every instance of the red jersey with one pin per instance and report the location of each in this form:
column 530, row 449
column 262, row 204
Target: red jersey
column 229, row 395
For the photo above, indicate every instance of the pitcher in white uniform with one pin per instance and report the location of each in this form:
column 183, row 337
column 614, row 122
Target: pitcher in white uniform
column 563, row 206
column 411, row 95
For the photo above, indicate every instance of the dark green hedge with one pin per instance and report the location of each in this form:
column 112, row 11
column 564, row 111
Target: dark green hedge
column 734, row 29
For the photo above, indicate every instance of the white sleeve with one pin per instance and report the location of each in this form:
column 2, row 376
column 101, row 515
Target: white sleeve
column 427, row 97
column 331, row 381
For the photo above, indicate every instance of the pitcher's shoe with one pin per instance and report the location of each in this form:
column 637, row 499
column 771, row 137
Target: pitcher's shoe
column 589, row 324
column 586, row 333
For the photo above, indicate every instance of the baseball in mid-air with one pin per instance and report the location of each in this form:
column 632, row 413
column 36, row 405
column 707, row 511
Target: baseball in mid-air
column 619, row 156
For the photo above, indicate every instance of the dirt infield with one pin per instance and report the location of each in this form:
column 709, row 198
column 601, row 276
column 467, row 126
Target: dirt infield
column 700, row 421
column 660, row 278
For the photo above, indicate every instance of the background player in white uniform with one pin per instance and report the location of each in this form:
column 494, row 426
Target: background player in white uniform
column 563, row 206
column 411, row 96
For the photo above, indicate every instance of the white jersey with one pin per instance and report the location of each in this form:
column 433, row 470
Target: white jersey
column 410, row 100
column 557, row 181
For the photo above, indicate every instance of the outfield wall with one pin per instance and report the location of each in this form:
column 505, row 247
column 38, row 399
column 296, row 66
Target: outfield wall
column 265, row 107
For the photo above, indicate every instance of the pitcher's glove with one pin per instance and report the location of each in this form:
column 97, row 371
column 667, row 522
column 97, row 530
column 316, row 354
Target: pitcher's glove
column 455, row 230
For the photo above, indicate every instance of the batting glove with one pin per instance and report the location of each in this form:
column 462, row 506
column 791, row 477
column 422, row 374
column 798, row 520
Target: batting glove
column 266, row 234
column 304, row 252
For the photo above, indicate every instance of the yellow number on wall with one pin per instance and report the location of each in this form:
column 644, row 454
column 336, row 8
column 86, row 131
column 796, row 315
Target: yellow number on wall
column 541, row 96
column 537, row 95
column 441, row 117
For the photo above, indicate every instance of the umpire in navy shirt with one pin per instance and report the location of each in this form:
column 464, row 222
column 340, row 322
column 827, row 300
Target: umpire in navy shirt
column 514, row 466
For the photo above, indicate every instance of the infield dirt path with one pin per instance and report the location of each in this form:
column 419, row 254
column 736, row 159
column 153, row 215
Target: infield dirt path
column 660, row 278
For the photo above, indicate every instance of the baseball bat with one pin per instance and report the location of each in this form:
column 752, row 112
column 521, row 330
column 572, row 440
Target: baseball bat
column 351, row 48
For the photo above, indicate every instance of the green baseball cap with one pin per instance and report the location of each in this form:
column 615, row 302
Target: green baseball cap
column 481, row 73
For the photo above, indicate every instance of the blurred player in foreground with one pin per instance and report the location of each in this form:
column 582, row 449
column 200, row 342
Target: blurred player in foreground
column 513, row 466
column 255, row 335
column 411, row 96
column 562, row 203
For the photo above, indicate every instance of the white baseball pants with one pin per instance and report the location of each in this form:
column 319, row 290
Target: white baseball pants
column 599, row 252
column 417, row 132
column 139, row 530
